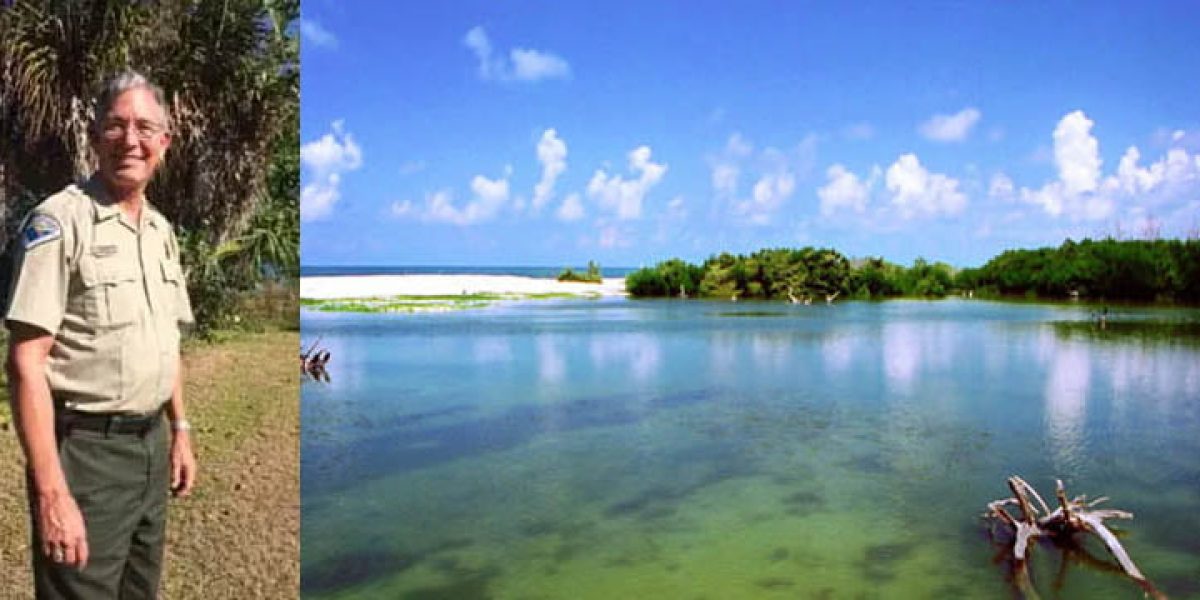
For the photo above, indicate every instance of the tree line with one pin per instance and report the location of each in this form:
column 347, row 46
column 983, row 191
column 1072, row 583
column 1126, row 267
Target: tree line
column 230, row 69
column 791, row 274
column 1135, row 270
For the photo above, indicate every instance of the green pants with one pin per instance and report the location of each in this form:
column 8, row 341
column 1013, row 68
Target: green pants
column 120, row 482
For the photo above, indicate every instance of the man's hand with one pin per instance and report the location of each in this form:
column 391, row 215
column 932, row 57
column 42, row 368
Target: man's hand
column 64, row 536
column 183, row 464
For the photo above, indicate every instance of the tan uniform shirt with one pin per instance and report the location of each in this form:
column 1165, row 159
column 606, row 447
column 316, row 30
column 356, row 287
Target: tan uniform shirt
column 110, row 291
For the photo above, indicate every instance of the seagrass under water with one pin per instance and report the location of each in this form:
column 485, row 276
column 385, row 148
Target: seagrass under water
column 670, row 449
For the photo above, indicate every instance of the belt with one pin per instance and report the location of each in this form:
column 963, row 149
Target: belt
column 108, row 423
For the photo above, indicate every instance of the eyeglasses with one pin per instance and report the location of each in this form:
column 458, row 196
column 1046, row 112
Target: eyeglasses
column 145, row 130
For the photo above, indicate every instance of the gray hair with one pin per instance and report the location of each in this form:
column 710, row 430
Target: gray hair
column 123, row 82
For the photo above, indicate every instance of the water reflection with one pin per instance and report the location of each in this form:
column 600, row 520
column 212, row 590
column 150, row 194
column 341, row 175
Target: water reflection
column 637, row 354
column 771, row 350
column 492, row 349
column 552, row 365
column 722, row 353
column 837, row 351
column 901, row 355
column 1066, row 395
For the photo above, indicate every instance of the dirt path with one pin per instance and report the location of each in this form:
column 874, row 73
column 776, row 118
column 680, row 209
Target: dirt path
column 238, row 535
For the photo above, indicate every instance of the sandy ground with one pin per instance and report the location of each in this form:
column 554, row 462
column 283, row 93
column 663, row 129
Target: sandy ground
column 238, row 534
column 365, row 286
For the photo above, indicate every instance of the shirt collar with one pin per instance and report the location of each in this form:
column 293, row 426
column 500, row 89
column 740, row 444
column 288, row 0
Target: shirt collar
column 106, row 209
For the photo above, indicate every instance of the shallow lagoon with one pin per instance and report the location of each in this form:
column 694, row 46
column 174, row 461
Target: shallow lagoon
column 686, row 449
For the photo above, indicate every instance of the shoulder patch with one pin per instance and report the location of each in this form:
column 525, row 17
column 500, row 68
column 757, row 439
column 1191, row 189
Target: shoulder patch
column 39, row 230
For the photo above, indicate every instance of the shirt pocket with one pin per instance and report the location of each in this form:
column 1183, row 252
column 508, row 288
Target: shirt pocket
column 172, row 287
column 112, row 294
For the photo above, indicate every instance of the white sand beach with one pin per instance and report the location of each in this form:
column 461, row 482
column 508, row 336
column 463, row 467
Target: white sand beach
column 368, row 286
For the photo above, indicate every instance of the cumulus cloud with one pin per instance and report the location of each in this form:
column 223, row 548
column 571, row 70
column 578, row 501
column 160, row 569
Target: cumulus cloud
column 1081, row 192
column 917, row 193
column 552, row 153
column 950, row 128
column 624, row 197
column 571, row 209
column 313, row 33
column 768, row 195
column 1076, row 153
column 844, row 191
column 325, row 161
column 521, row 64
column 490, row 197
column 773, row 171
column 1173, row 177
column 725, row 169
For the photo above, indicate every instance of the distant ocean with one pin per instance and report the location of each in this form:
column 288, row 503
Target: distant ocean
column 539, row 272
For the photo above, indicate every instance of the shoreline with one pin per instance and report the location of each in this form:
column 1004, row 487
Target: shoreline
column 338, row 287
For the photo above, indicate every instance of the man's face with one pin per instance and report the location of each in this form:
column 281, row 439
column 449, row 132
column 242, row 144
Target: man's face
column 131, row 139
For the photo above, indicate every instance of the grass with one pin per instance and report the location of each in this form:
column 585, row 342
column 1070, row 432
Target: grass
column 237, row 536
column 432, row 303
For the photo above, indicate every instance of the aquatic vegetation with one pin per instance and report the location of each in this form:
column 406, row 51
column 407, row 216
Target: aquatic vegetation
column 433, row 303
column 1131, row 330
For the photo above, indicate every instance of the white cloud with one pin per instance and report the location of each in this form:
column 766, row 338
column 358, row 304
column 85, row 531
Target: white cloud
column 490, row 197
column 531, row 65
column 1081, row 192
column 571, row 209
column 523, row 64
column 552, row 153
column 917, row 192
column 324, row 161
column 1175, row 176
column 313, row 33
column 844, row 190
column 775, row 174
column 725, row 168
column 950, row 128
column 769, row 194
column 334, row 151
column 738, row 146
column 477, row 40
column 1001, row 186
column 1076, row 153
column 724, row 178
column 1056, row 200
column 624, row 196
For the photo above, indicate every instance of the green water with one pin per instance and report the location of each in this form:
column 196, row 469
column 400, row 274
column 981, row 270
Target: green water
column 684, row 449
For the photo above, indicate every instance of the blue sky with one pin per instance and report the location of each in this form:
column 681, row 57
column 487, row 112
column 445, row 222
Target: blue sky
column 553, row 133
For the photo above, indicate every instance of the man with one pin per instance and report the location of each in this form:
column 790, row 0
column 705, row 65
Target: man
column 96, row 303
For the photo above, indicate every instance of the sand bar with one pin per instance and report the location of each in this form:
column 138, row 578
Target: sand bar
column 371, row 286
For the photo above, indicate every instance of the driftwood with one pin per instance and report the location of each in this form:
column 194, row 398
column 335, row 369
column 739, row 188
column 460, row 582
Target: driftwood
column 313, row 361
column 1070, row 517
